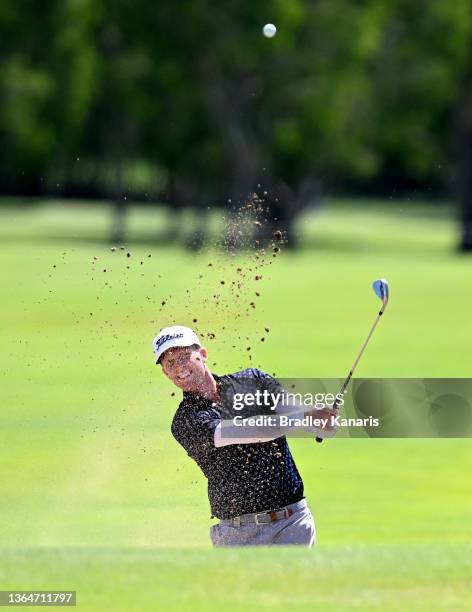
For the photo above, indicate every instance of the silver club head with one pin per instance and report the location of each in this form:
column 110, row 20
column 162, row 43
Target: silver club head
column 381, row 289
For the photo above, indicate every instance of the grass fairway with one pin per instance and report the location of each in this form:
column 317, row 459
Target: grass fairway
column 98, row 497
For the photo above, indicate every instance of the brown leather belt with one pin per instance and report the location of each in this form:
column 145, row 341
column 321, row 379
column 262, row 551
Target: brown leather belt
column 266, row 516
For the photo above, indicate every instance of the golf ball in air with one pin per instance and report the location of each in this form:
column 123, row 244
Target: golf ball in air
column 269, row 30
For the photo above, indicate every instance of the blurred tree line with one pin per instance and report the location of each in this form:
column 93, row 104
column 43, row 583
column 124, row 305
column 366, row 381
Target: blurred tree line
column 188, row 102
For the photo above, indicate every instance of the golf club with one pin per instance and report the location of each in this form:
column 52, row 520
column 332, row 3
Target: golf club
column 380, row 287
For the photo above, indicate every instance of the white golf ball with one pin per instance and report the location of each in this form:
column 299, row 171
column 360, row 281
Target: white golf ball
column 269, row 30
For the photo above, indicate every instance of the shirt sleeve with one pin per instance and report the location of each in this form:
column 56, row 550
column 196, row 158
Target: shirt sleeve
column 195, row 431
column 270, row 382
column 227, row 433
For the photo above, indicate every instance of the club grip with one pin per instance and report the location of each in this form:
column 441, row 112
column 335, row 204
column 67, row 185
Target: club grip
column 335, row 405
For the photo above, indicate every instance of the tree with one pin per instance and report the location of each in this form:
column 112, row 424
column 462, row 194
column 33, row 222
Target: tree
column 189, row 102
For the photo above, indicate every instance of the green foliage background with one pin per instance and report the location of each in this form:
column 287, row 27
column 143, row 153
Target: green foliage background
column 104, row 96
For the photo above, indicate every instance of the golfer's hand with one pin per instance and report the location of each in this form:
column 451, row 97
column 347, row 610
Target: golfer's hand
column 329, row 413
column 326, row 414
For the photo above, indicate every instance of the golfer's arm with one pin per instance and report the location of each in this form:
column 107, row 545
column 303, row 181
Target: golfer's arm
column 227, row 432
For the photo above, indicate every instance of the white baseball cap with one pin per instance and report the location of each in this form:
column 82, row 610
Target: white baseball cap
column 169, row 337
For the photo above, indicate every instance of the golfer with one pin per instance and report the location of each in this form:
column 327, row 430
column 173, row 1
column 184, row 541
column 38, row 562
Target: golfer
column 254, row 487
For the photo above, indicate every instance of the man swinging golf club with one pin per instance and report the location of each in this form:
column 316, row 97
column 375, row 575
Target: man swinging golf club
column 254, row 487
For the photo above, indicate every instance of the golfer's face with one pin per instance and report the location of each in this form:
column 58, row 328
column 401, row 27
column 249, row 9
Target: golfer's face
column 185, row 367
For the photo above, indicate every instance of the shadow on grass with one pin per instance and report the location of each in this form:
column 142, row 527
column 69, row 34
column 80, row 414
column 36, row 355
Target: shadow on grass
column 161, row 228
column 92, row 240
column 319, row 245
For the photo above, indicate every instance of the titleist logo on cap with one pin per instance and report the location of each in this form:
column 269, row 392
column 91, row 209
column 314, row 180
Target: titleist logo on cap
column 166, row 338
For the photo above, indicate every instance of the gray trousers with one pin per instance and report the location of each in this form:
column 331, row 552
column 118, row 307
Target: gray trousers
column 298, row 529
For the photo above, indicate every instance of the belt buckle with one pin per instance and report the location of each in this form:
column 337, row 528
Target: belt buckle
column 262, row 522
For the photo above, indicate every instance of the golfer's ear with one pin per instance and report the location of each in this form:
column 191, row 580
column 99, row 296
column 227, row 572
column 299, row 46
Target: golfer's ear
column 164, row 371
column 204, row 353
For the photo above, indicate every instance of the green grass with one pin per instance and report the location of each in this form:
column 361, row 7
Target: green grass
column 98, row 497
column 343, row 578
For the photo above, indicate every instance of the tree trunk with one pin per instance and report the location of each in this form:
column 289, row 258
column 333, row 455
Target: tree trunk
column 119, row 205
column 285, row 204
column 464, row 152
column 118, row 228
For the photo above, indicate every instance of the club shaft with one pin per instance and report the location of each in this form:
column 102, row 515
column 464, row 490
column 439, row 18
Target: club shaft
column 366, row 341
column 356, row 361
